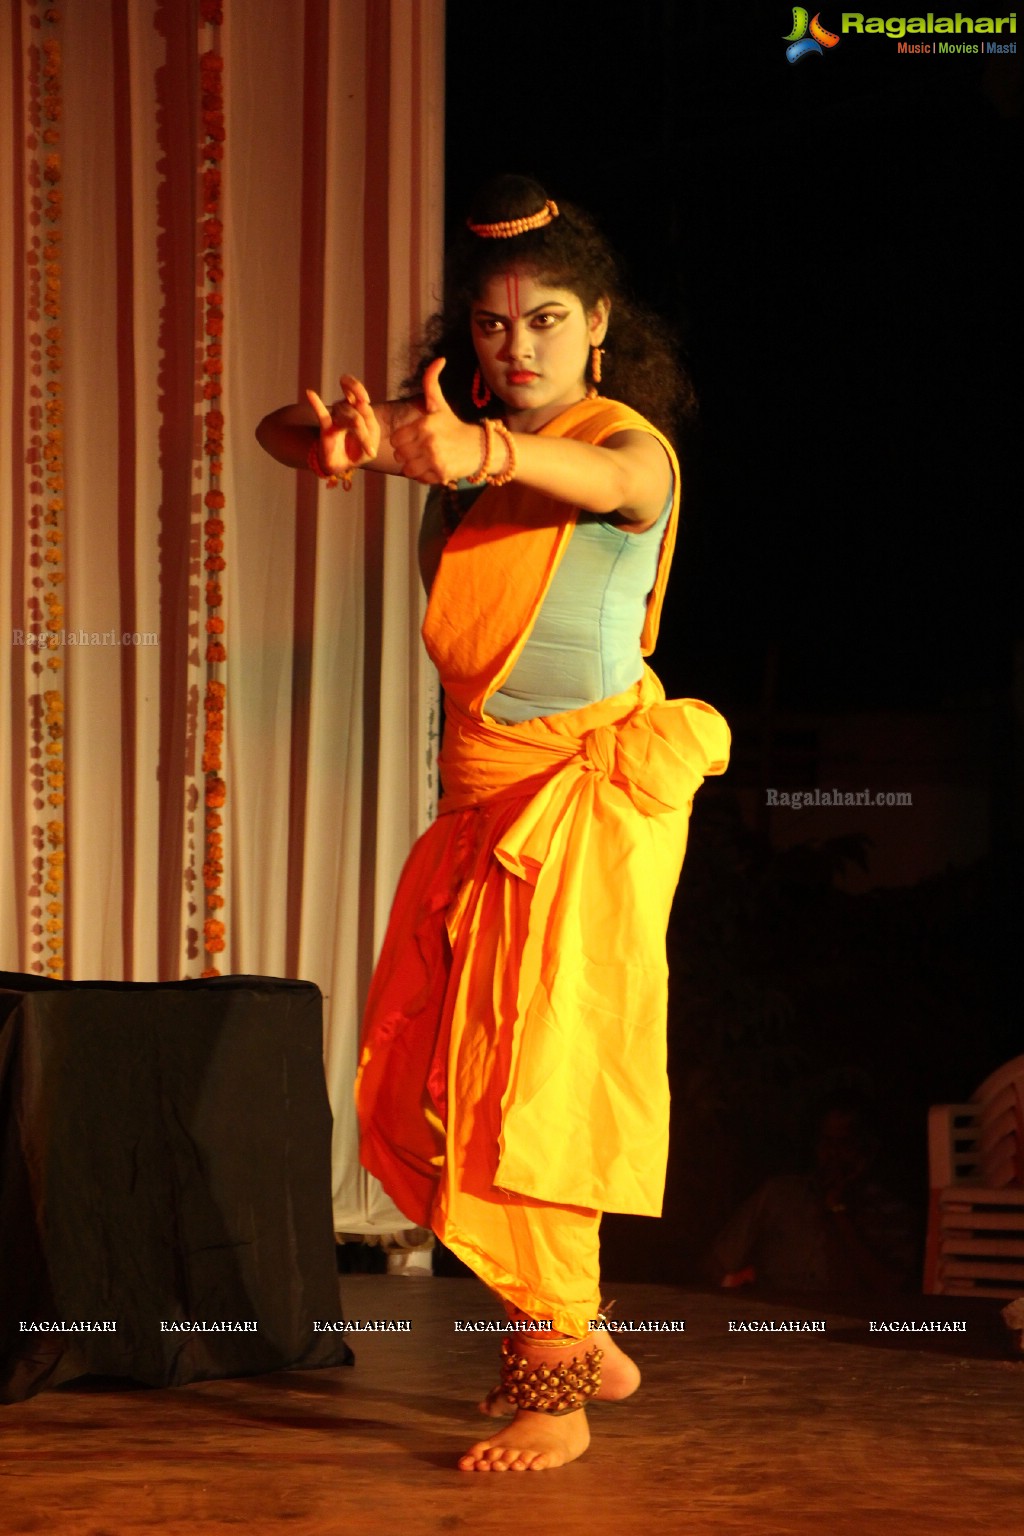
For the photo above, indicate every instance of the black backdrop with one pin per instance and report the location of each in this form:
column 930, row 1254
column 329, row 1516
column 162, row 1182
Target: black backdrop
column 837, row 242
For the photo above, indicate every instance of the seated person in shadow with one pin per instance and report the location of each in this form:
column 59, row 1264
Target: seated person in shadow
column 835, row 1228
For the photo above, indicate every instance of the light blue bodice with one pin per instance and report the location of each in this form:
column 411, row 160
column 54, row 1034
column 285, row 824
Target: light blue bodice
column 585, row 643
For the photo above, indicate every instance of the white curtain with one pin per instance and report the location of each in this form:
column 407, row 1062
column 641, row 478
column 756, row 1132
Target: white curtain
column 323, row 228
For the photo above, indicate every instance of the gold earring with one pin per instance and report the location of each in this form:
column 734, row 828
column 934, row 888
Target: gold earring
column 596, row 354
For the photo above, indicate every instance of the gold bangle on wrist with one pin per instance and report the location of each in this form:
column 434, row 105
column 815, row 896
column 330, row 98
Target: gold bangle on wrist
column 508, row 473
column 487, row 428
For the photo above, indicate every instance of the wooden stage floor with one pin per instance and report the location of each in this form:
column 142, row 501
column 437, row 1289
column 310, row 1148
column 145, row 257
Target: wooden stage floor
column 785, row 1433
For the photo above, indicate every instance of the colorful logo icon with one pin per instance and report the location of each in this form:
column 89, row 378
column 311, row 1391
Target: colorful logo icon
column 800, row 43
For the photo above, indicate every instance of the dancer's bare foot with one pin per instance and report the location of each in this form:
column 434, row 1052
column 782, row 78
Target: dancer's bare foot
column 533, row 1442
column 620, row 1377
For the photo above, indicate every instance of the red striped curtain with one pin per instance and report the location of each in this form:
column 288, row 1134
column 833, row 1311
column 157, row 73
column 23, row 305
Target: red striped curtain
column 215, row 717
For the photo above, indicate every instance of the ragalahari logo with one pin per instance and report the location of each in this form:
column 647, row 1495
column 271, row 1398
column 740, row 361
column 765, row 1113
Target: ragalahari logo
column 800, row 44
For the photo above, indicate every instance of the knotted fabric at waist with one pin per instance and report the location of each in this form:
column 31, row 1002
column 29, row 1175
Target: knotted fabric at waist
column 658, row 750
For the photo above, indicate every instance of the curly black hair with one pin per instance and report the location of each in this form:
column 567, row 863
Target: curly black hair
column 641, row 365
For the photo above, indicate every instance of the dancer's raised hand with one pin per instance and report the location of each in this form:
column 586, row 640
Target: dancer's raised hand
column 349, row 428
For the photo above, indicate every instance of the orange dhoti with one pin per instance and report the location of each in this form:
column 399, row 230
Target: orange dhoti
column 512, row 1082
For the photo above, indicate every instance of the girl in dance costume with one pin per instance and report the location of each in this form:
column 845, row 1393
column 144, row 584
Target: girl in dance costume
column 512, row 1081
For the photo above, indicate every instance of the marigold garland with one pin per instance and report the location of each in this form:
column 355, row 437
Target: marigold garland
column 46, row 534
column 211, row 242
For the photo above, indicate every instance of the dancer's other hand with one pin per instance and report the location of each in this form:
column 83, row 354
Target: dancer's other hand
column 436, row 446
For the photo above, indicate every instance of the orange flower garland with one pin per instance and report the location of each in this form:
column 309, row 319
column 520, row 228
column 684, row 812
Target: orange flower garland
column 211, row 78
column 46, row 425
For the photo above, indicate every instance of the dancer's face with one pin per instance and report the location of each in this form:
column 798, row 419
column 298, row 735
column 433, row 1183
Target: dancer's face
column 533, row 344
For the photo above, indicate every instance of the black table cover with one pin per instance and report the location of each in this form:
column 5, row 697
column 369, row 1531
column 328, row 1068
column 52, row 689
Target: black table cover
column 164, row 1161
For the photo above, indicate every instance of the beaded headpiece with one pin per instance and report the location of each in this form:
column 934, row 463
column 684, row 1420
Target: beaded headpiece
column 509, row 227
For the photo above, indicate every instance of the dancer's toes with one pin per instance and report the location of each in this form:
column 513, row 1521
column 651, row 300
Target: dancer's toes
column 533, row 1442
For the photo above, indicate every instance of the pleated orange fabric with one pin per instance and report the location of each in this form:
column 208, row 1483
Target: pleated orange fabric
column 512, row 1081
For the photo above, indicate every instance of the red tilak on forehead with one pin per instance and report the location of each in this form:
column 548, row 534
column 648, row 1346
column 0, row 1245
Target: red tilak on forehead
column 512, row 294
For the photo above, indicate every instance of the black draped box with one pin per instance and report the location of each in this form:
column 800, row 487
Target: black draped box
column 165, row 1161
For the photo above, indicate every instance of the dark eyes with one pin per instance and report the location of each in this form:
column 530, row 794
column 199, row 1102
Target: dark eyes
column 491, row 325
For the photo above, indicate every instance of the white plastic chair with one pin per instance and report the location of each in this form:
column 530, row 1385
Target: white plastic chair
column 975, row 1243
